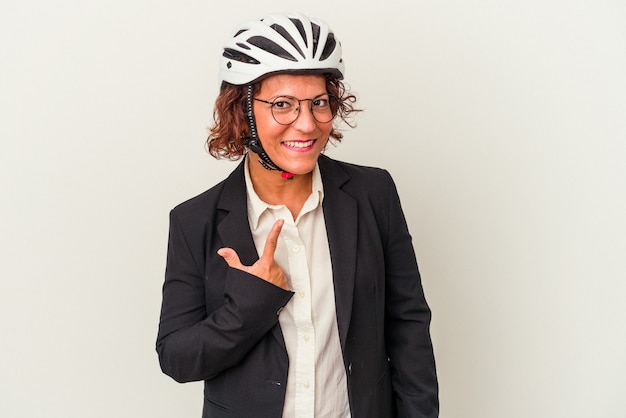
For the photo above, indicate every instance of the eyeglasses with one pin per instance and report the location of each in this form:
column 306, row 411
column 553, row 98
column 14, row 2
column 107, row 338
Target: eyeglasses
column 286, row 109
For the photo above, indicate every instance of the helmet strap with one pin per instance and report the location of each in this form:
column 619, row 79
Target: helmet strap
column 253, row 141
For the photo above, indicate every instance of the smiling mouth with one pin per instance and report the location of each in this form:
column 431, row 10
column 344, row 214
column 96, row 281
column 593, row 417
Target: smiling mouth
column 299, row 144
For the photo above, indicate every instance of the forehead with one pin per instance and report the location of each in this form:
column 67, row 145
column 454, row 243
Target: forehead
column 301, row 86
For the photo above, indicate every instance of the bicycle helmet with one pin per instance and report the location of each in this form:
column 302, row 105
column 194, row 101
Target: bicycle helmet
column 291, row 43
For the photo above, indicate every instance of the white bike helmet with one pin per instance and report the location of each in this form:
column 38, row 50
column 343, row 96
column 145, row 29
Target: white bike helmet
column 291, row 43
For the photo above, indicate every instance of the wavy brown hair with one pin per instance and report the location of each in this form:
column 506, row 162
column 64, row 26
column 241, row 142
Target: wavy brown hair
column 227, row 135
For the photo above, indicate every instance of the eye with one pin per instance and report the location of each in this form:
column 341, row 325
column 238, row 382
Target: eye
column 321, row 102
column 283, row 104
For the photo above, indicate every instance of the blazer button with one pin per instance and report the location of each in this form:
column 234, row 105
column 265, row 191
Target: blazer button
column 350, row 369
column 279, row 310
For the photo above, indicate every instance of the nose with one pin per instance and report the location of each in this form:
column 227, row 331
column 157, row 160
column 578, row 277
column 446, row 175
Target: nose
column 305, row 121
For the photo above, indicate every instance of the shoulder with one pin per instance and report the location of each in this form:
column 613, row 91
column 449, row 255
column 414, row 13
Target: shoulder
column 349, row 176
column 199, row 204
column 208, row 202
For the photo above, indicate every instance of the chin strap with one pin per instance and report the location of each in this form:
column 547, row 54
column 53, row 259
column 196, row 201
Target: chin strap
column 254, row 143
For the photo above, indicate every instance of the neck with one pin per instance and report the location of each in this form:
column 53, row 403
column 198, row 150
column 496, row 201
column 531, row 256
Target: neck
column 273, row 189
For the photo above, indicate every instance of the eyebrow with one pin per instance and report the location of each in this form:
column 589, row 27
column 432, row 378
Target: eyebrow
column 290, row 95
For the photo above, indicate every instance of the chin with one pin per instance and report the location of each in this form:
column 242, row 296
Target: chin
column 298, row 166
column 299, row 169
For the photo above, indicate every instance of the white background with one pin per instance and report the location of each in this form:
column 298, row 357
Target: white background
column 503, row 123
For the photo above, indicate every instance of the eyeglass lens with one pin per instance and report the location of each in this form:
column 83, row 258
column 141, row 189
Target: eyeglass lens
column 286, row 109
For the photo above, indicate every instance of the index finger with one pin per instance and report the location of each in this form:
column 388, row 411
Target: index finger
column 272, row 239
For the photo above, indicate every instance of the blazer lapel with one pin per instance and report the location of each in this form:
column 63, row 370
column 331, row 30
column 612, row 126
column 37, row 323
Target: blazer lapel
column 234, row 228
column 340, row 214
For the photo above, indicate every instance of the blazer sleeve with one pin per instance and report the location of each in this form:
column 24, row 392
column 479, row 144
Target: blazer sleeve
column 193, row 344
column 407, row 320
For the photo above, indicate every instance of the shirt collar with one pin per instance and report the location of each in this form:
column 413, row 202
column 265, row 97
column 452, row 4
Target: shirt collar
column 256, row 206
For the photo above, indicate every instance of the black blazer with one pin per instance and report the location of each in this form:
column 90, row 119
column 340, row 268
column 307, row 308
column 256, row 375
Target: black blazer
column 220, row 324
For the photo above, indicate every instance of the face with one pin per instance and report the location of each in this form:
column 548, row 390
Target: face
column 296, row 147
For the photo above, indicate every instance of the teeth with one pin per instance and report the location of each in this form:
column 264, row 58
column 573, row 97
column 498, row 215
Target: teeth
column 298, row 144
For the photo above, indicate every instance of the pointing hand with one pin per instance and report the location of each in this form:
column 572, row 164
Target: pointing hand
column 265, row 267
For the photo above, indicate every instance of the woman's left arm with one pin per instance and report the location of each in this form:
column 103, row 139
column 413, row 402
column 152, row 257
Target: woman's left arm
column 407, row 321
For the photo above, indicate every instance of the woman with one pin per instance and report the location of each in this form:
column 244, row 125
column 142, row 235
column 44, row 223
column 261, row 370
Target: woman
column 330, row 320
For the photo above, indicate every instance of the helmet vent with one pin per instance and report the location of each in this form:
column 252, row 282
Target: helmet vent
column 238, row 56
column 329, row 47
column 316, row 36
column 242, row 45
column 283, row 32
column 298, row 24
column 271, row 47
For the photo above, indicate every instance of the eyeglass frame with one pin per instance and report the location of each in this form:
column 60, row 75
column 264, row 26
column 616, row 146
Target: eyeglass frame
column 330, row 97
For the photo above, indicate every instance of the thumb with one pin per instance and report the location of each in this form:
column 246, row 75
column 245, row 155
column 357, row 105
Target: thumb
column 230, row 256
